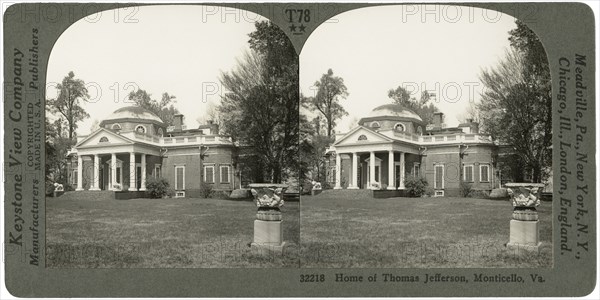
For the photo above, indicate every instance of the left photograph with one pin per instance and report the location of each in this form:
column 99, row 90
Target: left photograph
column 172, row 141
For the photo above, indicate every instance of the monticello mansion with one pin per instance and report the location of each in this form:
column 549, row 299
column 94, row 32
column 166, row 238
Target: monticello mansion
column 133, row 144
column 393, row 142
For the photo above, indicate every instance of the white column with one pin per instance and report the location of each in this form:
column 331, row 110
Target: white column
column 371, row 168
column 338, row 171
column 79, row 173
column 132, row 177
column 143, row 183
column 113, row 170
column 402, row 161
column 354, row 181
column 95, row 176
column 391, row 171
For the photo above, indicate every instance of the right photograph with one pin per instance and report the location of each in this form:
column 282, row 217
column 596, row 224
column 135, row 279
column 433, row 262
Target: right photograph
column 426, row 141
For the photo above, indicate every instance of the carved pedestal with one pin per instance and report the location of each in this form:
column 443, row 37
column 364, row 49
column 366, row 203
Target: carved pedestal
column 524, row 226
column 268, row 227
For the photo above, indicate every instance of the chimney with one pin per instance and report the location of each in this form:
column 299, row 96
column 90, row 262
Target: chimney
column 438, row 119
column 474, row 127
column 177, row 122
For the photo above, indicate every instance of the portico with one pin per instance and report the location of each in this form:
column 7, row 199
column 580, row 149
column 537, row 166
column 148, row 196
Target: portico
column 114, row 162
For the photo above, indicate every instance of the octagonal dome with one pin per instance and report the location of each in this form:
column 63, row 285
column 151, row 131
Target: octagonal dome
column 393, row 110
column 130, row 113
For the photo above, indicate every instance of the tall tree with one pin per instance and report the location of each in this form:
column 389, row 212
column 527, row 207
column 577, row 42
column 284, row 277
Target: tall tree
column 262, row 103
column 71, row 93
column 164, row 108
column 516, row 105
column 330, row 90
column 423, row 107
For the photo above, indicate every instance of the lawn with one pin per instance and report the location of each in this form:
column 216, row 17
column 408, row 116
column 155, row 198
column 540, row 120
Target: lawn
column 87, row 231
column 340, row 229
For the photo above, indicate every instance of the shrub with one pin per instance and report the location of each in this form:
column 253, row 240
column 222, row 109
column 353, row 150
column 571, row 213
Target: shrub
column 206, row 190
column 429, row 191
column 49, row 188
column 220, row 195
column 465, row 189
column 307, row 186
column 416, row 186
column 158, row 187
column 481, row 194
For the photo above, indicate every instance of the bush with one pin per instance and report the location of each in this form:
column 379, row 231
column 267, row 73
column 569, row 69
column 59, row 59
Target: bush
column 429, row 191
column 416, row 186
column 157, row 187
column 220, row 195
column 481, row 194
column 465, row 189
column 206, row 190
column 49, row 188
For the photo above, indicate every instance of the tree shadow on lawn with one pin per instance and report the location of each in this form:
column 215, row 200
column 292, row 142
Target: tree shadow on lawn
column 162, row 233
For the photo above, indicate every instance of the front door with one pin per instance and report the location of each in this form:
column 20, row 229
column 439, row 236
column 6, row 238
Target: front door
column 397, row 174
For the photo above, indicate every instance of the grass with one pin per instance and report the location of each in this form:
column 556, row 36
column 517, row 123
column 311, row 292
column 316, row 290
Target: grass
column 342, row 231
column 86, row 231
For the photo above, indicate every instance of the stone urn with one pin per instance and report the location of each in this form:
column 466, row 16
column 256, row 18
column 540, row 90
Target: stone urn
column 268, row 228
column 524, row 226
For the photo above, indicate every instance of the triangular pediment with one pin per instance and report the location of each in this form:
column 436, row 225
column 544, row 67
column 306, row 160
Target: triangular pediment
column 103, row 137
column 360, row 135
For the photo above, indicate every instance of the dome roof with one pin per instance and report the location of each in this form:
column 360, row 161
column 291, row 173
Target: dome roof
column 393, row 110
column 133, row 112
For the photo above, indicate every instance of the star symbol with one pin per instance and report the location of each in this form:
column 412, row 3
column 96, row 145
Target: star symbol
column 293, row 28
column 302, row 28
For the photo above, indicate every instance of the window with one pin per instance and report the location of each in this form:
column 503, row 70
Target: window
column 140, row 129
column 362, row 137
column 103, row 139
column 160, row 132
column 438, row 183
column 179, row 178
column 74, row 177
column 484, row 171
column 156, row 170
column 209, row 174
column 399, row 127
column 116, row 127
column 419, row 130
column 417, row 169
column 375, row 124
column 224, row 173
column 468, row 173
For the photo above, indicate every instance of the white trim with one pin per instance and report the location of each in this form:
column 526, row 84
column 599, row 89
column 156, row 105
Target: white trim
column 465, row 172
column 372, row 125
column 480, row 172
column 435, row 175
column 221, row 173
column 213, row 172
column 116, row 124
column 183, row 174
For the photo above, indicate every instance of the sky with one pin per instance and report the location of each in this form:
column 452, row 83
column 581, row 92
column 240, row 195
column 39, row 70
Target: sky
column 438, row 48
column 181, row 50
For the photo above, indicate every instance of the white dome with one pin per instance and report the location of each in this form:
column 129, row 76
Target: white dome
column 393, row 110
column 133, row 112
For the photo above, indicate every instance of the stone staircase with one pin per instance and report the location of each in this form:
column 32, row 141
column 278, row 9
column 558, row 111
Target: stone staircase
column 89, row 195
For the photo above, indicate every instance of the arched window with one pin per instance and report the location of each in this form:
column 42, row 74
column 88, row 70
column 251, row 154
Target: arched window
column 103, row 139
column 362, row 137
column 419, row 130
column 116, row 127
column 399, row 127
column 140, row 129
column 160, row 132
column 375, row 124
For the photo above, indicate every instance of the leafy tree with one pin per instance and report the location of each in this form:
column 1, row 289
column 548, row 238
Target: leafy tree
column 71, row 92
column 330, row 90
column 262, row 104
column 164, row 108
column 422, row 107
column 516, row 105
